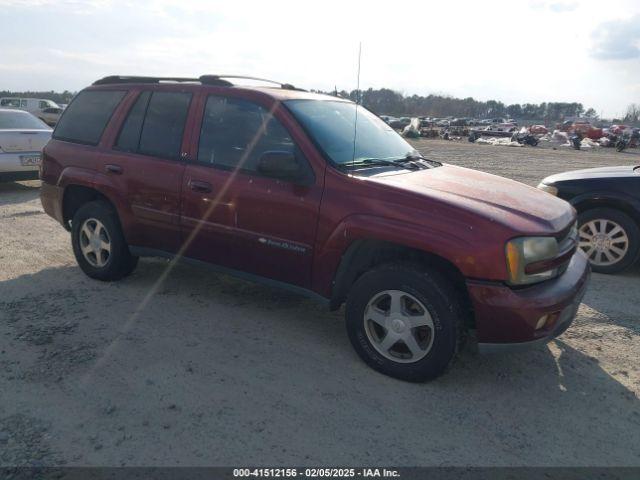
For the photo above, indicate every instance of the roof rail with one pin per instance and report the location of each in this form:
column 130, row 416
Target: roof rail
column 218, row 80
column 138, row 79
column 206, row 79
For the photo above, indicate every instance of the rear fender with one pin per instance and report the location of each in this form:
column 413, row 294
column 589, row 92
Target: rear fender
column 101, row 184
column 105, row 185
column 76, row 176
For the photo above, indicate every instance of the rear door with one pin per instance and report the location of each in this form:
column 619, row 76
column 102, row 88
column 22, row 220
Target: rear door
column 146, row 163
column 234, row 216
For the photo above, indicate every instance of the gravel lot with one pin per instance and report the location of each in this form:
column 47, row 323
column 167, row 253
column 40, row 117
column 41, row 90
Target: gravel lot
column 209, row 370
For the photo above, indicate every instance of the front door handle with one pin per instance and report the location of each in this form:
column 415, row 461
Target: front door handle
column 110, row 168
column 200, row 187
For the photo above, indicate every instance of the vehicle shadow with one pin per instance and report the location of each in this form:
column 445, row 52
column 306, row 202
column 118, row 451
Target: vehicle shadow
column 18, row 192
column 613, row 299
column 256, row 363
column 557, row 394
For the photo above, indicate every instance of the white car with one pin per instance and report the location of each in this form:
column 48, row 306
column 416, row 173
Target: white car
column 50, row 116
column 31, row 105
column 22, row 137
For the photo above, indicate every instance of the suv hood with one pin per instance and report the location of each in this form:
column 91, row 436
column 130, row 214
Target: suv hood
column 523, row 209
column 602, row 172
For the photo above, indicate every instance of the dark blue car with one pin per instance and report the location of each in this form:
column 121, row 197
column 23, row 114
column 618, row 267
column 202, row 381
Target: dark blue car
column 608, row 204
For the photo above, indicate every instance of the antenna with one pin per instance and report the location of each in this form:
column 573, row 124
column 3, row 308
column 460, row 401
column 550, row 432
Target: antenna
column 355, row 123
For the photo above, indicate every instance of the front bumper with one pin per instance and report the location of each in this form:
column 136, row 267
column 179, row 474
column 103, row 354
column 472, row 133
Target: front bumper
column 506, row 318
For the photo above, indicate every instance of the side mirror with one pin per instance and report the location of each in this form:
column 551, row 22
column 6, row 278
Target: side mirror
column 282, row 165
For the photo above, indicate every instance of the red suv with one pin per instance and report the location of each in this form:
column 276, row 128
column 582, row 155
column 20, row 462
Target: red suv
column 316, row 194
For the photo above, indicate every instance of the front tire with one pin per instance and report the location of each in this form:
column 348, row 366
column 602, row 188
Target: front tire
column 609, row 238
column 404, row 322
column 98, row 243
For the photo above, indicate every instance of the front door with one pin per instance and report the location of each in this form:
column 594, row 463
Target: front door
column 234, row 216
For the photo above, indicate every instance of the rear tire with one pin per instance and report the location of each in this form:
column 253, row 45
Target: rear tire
column 98, row 243
column 415, row 342
column 617, row 226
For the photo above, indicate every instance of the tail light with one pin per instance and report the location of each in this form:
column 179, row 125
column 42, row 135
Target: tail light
column 41, row 169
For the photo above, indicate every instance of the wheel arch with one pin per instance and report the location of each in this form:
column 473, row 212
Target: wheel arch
column 364, row 254
column 75, row 196
column 582, row 204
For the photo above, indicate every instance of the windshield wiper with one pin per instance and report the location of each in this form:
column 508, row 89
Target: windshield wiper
column 405, row 163
column 418, row 156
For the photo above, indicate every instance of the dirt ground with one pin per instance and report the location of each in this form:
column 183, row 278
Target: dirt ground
column 209, row 370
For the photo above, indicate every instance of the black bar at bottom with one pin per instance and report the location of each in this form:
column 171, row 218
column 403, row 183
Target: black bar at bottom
column 398, row 473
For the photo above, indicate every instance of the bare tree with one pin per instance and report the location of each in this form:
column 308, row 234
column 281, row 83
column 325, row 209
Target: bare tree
column 633, row 113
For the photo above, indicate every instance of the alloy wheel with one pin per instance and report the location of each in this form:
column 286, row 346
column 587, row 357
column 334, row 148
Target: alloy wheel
column 399, row 326
column 604, row 241
column 95, row 242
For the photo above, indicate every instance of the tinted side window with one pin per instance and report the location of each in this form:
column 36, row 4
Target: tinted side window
column 164, row 124
column 236, row 132
column 86, row 117
column 129, row 137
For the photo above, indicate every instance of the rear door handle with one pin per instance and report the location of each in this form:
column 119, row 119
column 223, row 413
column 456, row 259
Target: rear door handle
column 199, row 186
column 117, row 169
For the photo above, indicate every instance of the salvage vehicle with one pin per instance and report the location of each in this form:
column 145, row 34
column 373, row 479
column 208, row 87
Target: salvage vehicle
column 399, row 123
column 538, row 130
column 581, row 127
column 22, row 137
column 525, row 138
column 459, row 122
column 493, row 130
column 318, row 195
column 608, row 203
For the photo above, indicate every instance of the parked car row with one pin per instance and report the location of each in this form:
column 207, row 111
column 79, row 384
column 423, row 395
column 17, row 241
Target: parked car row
column 429, row 122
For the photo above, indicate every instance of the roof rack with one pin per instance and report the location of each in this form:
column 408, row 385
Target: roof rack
column 206, row 79
column 138, row 79
column 217, row 80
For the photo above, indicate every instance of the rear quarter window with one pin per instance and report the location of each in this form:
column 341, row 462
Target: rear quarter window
column 87, row 116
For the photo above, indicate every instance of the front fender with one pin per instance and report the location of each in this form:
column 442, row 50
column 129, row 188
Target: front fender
column 369, row 227
column 619, row 200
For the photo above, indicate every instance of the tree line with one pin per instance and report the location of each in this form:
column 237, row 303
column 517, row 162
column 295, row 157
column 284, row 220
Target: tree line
column 385, row 101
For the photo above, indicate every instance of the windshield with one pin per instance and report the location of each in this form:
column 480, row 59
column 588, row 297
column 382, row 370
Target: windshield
column 22, row 120
column 331, row 125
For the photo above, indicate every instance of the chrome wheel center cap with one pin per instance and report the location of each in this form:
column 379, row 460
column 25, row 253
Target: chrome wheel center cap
column 398, row 325
column 601, row 242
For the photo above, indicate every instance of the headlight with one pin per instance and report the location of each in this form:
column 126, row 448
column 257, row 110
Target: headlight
column 548, row 188
column 524, row 251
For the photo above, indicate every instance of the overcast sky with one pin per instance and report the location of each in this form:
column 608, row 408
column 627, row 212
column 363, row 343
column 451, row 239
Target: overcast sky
column 514, row 51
